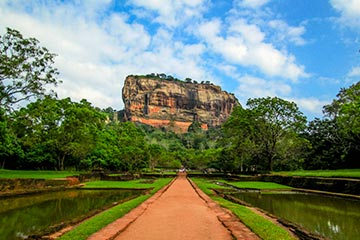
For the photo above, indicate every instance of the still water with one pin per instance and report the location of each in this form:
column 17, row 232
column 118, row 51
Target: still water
column 332, row 217
column 36, row 214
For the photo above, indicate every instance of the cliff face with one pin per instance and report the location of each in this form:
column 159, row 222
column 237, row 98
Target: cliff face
column 174, row 105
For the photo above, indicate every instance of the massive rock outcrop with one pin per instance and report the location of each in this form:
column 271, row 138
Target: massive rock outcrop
column 174, row 104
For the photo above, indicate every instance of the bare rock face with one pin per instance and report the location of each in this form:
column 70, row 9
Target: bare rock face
column 174, row 104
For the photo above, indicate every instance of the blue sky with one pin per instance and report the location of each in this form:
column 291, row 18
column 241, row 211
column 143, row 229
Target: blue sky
column 300, row 50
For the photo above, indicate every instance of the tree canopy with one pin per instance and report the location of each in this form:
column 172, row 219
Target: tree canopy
column 25, row 69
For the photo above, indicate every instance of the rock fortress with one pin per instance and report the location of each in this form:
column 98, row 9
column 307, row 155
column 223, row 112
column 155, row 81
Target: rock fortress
column 164, row 102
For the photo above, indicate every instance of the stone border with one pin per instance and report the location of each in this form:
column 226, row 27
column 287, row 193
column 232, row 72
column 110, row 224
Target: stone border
column 237, row 229
column 117, row 227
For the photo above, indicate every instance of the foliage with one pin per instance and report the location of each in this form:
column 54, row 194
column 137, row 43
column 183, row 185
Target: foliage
column 58, row 134
column 25, row 69
column 276, row 119
column 264, row 136
column 326, row 150
column 9, row 145
column 336, row 138
column 52, row 131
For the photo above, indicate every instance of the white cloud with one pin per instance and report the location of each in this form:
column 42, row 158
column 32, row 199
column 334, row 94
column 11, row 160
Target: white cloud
column 98, row 47
column 244, row 44
column 253, row 3
column 209, row 29
column 349, row 10
column 171, row 13
column 253, row 87
column 96, row 51
column 251, row 33
column 354, row 72
column 286, row 33
column 310, row 106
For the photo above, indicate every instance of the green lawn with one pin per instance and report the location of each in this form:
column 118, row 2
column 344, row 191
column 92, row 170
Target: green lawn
column 4, row 173
column 345, row 173
column 86, row 228
column 258, row 224
column 138, row 183
column 257, row 185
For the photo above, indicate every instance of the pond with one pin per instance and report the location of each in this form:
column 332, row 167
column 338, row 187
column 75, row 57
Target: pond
column 331, row 217
column 38, row 214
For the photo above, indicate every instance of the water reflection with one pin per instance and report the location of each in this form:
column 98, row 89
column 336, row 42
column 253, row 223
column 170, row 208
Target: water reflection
column 332, row 217
column 28, row 215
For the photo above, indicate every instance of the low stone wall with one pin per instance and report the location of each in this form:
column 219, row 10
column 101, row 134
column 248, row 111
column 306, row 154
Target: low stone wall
column 336, row 185
column 20, row 185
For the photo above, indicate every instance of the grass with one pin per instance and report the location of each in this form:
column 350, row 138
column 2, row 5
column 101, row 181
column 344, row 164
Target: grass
column 138, row 183
column 4, row 173
column 257, row 185
column 264, row 228
column 86, row 228
column 344, row 173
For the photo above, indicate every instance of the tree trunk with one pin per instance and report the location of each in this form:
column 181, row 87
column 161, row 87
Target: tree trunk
column 61, row 162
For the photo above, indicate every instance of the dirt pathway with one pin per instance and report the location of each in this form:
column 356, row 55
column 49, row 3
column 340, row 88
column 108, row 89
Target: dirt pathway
column 179, row 212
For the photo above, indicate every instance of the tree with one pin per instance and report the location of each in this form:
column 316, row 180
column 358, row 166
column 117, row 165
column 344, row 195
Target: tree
column 25, row 69
column 155, row 152
column 132, row 147
column 260, row 134
column 58, row 129
column 240, row 139
column 345, row 112
column 275, row 118
column 9, row 147
column 195, row 126
column 326, row 149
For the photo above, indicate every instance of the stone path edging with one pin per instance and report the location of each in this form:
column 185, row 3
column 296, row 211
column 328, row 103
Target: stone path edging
column 227, row 218
column 118, row 226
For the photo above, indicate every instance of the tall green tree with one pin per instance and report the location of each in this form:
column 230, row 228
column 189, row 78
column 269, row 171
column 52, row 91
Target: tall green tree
column 26, row 69
column 9, row 146
column 344, row 111
column 275, row 119
column 264, row 134
column 241, row 139
column 326, row 149
column 78, row 131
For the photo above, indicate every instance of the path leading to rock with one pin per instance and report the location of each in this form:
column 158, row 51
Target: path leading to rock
column 179, row 212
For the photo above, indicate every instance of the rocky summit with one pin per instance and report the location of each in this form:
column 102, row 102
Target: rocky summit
column 165, row 102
